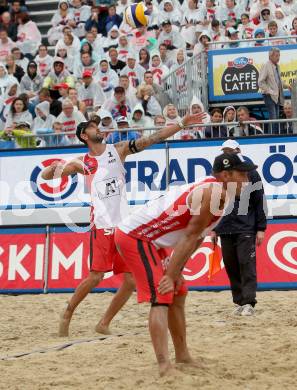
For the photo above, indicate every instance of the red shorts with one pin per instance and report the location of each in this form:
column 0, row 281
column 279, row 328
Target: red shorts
column 104, row 256
column 147, row 265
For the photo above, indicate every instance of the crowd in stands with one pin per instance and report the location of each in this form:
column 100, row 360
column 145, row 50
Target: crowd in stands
column 101, row 68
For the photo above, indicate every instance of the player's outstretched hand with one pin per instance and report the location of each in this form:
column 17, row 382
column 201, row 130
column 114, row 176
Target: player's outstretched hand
column 166, row 285
column 192, row 119
column 57, row 168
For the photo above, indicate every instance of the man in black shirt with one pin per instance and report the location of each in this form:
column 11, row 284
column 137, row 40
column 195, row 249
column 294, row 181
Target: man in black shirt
column 240, row 230
column 114, row 63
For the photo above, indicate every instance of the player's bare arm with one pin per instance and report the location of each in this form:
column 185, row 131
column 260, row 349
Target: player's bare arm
column 202, row 210
column 134, row 146
column 58, row 169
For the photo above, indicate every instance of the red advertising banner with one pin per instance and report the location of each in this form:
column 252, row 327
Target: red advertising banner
column 22, row 260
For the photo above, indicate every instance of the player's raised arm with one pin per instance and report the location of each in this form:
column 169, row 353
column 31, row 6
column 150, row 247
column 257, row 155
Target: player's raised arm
column 58, row 169
column 203, row 201
column 134, row 146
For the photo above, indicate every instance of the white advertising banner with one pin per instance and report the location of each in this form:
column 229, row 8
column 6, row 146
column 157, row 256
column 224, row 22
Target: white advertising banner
column 23, row 188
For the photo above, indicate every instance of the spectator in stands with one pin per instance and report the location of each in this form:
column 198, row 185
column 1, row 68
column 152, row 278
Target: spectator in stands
column 123, row 48
column 6, row 44
column 159, row 121
column 117, row 104
column 140, row 120
column 170, row 114
column 85, row 62
column 243, row 130
column 70, row 42
column 170, row 13
column 145, row 95
column 81, row 14
column 78, row 105
column 112, row 39
column 68, row 61
column 106, row 78
column 273, row 32
column 233, row 37
column 113, row 19
column 283, row 22
column 117, row 136
column 22, row 2
column 246, row 28
column 229, row 13
column 216, row 131
column 15, row 10
column 171, row 37
column 62, row 88
column 5, row 80
column 29, row 37
column 271, row 85
column 107, row 124
column 114, row 63
column 55, row 105
column 259, row 34
column 197, row 107
column 216, row 32
column 259, row 8
column 56, row 139
column 192, row 17
column 70, row 119
column 161, row 96
column 289, row 7
column 96, row 44
column 134, row 71
column 144, row 58
column 44, row 61
column 9, row 26
column 97, row 19
column 166, row 57
column 287, row 127
column 19, row 58
column 13, row 69
column 43, row 119
column 18, row 136
column 18, row 113
column 60, row 19
column 159, row 70
column 265, row 18
column 58, row 74
column 31, row 82
column 90, row 93
column 229, row 116
column 130, row 92
column 203, row 43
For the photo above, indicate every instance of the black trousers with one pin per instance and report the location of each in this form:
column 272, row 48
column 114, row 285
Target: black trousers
column 239, row 256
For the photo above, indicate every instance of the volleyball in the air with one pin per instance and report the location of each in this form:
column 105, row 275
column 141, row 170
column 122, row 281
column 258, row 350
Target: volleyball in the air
column 136, row 15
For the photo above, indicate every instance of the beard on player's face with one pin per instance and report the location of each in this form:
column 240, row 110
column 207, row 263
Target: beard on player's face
column 95, row 136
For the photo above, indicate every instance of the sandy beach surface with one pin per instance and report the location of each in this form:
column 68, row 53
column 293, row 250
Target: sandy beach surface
column 235, row 353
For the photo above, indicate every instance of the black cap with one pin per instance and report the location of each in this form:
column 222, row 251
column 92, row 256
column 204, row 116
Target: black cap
column 229, row 162
column 166, row 22
column 82, row 127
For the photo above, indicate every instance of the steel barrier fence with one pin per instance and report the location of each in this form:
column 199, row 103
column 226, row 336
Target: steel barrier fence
column 186, row 81
column 272, row 41
column 197, row 131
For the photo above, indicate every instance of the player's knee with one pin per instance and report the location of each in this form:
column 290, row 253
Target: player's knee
column 95, row 277
column 129, row 281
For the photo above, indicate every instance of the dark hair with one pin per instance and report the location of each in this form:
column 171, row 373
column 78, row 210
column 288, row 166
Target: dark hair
column 215, row 23
column 148, row 72
column 3, row 29
column 216, row 110
column 124, row 76
column 25, row 103
column 24, row 17
column 82, row 50
column 246, row 15
column 243, row 108
column 162, row 44
column 272, row 23
column 45, row 92
column 42, row 45
column 147, row 54
column 119, row 90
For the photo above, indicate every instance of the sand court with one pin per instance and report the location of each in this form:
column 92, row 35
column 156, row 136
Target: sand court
column 233, row 353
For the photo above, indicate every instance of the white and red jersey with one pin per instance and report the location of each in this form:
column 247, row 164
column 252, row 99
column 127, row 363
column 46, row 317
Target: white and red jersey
column 105, row 179
column 164, row 220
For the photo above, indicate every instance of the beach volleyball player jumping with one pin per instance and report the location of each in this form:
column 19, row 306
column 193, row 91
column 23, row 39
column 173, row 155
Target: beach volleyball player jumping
column 105, row 176
column 180, row 219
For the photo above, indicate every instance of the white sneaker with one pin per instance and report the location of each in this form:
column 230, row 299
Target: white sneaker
column 237, row 311
column 248, row 310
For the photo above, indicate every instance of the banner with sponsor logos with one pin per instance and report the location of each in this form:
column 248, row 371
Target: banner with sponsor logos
column 233, row 73
column 147, row 174
column 23, row 265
